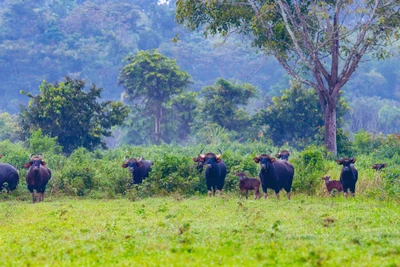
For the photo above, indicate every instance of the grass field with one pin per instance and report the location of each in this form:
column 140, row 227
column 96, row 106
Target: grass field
column 201, row 231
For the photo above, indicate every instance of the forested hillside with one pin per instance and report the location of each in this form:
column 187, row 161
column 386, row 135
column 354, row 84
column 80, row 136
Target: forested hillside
column 50, row 39
column 94, row 40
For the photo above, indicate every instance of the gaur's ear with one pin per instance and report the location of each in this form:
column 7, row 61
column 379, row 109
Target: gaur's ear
column 278, row 155
column 271, row 160
column 124, row 165
column 27, row 165
column 373, row 167
column 195, row 160
column 43, row 163
column 256, row 159
column 339, row 162
column 219, row 160
column 384, row 165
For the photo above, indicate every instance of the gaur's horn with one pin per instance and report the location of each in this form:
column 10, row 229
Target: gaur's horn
column 125, row 159
column 31, row 155
column 140, row 159
column 202, row 155
column 219, row 155
column 41, row 156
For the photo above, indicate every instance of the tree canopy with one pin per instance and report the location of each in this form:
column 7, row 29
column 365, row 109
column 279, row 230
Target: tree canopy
column 223, row 102
column 152, row 80
column 295, row 117
column 77, row 118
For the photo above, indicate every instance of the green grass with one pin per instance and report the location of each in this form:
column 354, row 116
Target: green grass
column 201, row 231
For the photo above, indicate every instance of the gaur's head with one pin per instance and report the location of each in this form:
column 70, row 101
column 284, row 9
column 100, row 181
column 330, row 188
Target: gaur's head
column 346, row 163
column 132, row 163
column 241, row 175
column 35, row 162
column 283, row 155
column 326, row 178
column 265, row 160
column 207, row 159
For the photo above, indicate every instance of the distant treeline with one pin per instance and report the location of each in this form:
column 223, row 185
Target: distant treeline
column 50, row 39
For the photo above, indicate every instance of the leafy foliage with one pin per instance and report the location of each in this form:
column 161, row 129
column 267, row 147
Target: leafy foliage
column 39, row 143
column 223, row 104
column 75, row 117
column 153, row 80
column 310, row 167
column 296, row 118
column 9, row 128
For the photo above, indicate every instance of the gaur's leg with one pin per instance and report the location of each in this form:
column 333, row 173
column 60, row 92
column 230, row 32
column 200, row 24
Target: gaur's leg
column 277, row 189
column 247, row 194
column 257, row 193
column 264, row 188
column 209, row 188
column 219, row 186
column 288, row 192
column 353, row 190
column 345, row 189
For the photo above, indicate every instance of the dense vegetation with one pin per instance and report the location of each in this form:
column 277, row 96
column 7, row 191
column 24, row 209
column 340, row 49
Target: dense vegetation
column 99, row 174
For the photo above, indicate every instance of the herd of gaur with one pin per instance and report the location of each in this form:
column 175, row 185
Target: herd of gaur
column 276, row 174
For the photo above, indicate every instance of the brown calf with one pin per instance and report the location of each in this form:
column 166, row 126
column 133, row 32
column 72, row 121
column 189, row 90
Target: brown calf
column 379, row 166
column 332, row 184
column 246, row 184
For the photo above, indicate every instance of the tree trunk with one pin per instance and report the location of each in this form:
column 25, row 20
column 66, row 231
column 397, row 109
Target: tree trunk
column 330, row 126
column 157, row 120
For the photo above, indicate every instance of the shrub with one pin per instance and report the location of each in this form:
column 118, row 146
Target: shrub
column 39, row 143
column 309, row 168
column 77, row 175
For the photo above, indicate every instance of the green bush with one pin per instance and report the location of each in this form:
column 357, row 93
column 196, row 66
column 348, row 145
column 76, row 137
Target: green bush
column 39, row 143
column 309, row 168
column 14, row 154
column 391, row 183
column 77, row 175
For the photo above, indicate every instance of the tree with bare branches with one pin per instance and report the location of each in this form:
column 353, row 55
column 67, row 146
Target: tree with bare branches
column 319, row 43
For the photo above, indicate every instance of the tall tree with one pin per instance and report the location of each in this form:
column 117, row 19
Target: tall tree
column 224, row 104
column 320, row 43
column 153, row 79
column 76, row 117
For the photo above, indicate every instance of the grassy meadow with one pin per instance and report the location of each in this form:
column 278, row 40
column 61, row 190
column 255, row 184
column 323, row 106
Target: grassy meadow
column 201, row 231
